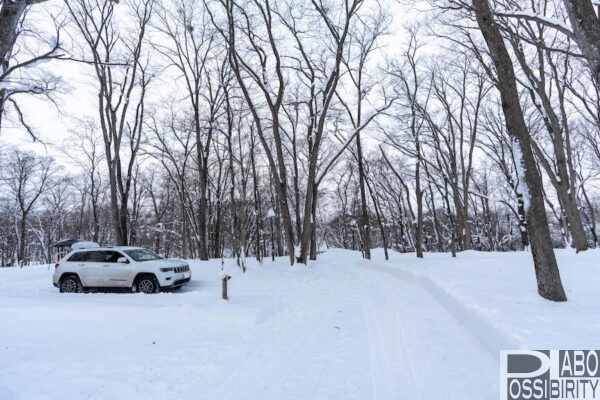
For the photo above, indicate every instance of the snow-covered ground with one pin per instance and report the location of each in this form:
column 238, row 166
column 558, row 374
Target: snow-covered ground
column 342, row 328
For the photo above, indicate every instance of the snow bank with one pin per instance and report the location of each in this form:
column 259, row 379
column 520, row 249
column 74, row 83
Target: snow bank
column 495, row 295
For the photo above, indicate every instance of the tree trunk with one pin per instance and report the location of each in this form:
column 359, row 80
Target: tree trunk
column 380, row 222
column 2, row 101
column 436, row 221
column 460, row 225
column 22, row 237
column 235, row 221
column 120, row 237
column 364, row 217
column 125, row 226
column 184, row 232
column 257, row 204
column 216, row 251
column 10, row 14
column 586, row 27
column 574, row 223
column 202, row 216
column 522, row 221
column 592, row 217
column 313, row 228
column 453, row 230
column 95, row 217
column 546, row 269
column 419, row 225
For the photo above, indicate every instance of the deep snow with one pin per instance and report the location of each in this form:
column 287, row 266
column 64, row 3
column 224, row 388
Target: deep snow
column 342, row 328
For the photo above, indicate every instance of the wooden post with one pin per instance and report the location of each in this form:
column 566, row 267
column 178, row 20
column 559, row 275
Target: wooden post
column 224, row 292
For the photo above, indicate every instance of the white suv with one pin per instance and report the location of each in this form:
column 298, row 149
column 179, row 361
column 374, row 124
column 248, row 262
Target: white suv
column 132, row 268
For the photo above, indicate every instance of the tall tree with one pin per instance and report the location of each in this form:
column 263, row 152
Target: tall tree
column 16, row 64
column 190, row 48
column 89, row 159
column 547, row 82
column 546, row 268
column 27, row 177
column 586, row 27
column 11, row 12
column 410, row 84
column 121, row 69
column 363, row 43
column 255, row 33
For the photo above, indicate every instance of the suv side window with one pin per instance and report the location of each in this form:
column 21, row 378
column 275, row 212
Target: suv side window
column 103, row 256
column 95, row 256
column 112, row 256
column 79, row 257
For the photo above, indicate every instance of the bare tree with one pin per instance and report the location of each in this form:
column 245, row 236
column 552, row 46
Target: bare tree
column 548, row 276
column 17, row 62
column 545, row 75
column 363, row 43
column 415, row 98
column 459, row 97
column 586, row 27
column 27, row 177
column 171, row 143
column 497, row 145
column 191, row 49
column 10, row 16
column 89, row 159
column 253, row 27
column 121, row 70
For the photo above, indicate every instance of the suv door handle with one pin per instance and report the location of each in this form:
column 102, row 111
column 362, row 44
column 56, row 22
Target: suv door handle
column 105, row 265
column 81, row 265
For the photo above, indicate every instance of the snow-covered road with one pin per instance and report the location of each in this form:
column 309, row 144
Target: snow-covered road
column 356, row 332
column 339, row 329
column 413, row 336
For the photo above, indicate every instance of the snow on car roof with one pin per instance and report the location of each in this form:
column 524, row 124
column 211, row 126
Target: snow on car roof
column 84, row 245
column 111, row 248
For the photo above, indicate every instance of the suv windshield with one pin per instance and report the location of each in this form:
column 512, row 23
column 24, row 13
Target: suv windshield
column 142, row 255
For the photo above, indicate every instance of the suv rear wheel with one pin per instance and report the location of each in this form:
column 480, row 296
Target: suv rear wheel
column 71, row 284
column 147, row 284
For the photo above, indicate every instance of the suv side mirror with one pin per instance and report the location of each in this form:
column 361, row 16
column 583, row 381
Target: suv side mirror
column 122, row 260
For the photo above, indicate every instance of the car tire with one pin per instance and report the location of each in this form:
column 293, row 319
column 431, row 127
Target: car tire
column 147, row 284
column 70, row 284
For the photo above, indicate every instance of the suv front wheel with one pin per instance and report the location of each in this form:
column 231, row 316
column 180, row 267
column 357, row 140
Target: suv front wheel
column 71, row 284
column 147, row 284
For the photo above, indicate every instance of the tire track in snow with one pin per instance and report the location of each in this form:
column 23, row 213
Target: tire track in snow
column 283, row 351
column 493, row 338
column 418, row 348
column 394, row 373
column 413, row 347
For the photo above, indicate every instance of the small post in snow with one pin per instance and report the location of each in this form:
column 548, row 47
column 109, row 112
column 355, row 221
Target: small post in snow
column 224, row 291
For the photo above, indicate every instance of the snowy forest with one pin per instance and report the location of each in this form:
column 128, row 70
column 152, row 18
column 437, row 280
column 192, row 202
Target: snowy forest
column 260, row 128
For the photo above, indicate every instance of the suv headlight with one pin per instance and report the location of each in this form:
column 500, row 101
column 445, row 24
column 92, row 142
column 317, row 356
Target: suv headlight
column 170, row 269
